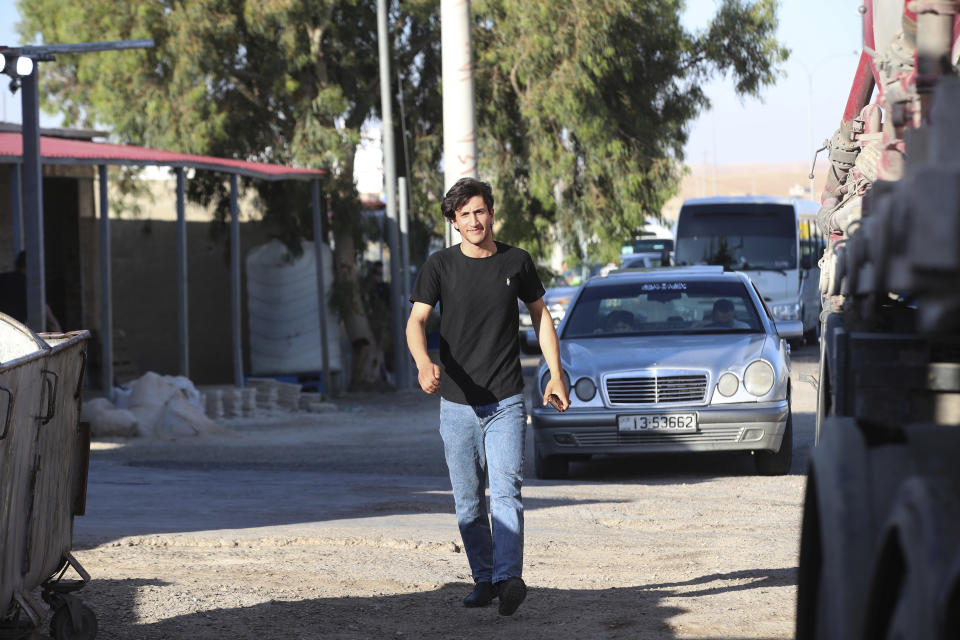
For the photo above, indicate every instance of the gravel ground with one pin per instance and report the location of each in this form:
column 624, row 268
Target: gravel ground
column 341, row 525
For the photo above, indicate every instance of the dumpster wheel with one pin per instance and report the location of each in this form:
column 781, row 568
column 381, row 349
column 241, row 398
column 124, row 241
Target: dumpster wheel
column 72, row 619
column 63, row 626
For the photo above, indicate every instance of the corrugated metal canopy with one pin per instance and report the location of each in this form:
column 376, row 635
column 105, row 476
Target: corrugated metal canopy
column 63, row 151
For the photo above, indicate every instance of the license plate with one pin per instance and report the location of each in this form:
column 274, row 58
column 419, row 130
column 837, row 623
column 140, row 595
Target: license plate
column 670, row 422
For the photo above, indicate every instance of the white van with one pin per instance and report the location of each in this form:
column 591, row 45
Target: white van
column 775, row 241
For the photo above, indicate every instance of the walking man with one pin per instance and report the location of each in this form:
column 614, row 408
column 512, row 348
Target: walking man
column 482, row 415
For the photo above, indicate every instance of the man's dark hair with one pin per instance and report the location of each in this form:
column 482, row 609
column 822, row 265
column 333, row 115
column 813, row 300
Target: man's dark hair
column 461, row 192
column 21, row 261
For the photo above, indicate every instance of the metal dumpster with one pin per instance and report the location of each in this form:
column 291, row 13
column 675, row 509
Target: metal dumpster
column 43, row 466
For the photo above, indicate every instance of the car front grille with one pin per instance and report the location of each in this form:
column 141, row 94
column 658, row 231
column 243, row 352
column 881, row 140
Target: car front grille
column 713, row 435
column 654, row 389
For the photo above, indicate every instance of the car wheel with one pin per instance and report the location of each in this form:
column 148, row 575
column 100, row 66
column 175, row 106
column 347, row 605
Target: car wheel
column 777, row 463
column 549, row 467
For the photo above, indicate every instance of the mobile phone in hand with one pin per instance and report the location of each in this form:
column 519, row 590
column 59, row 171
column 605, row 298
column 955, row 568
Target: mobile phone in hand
column 554, row 400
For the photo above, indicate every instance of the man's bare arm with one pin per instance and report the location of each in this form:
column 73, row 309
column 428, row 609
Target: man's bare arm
column 428, row 372
column 550, row 346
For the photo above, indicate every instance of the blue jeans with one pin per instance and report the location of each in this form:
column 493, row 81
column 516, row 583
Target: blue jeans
column 487, row 441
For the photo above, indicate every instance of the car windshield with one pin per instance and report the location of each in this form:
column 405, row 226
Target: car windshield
column 661, row 308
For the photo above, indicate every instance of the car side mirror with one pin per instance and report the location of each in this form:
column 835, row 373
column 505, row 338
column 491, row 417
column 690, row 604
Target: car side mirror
column 806, row 262
column 790, row 329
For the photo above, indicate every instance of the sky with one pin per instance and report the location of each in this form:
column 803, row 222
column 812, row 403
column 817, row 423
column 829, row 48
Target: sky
column 822, row 36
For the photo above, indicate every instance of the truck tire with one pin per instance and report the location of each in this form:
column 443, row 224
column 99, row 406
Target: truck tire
column 910, row 576
column 950, row 603
column 836, row 536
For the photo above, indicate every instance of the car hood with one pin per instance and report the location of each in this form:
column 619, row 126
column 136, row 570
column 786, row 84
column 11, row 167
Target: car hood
column 699, row 351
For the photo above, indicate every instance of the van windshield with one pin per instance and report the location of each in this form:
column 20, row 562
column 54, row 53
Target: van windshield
column 740, row 236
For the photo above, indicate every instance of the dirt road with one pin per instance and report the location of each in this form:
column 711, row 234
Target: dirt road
column 341, row 525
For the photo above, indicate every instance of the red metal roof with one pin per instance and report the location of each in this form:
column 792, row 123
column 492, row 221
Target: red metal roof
column 62, row 151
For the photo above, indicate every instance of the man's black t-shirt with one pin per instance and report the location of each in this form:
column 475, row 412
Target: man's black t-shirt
column 479, row 319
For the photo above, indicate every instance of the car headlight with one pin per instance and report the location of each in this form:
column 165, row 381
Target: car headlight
column 585, row 389
column 545, row 378
column 728, row 384
column 789, row 311
column 758, row 378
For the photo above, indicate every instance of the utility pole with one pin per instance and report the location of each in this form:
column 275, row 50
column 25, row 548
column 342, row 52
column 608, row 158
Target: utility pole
column 459, row 113
column 400, row 369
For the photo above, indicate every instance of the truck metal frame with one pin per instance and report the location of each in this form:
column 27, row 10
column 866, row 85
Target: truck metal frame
column 878, row 552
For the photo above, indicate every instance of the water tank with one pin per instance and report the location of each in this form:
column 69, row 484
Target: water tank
column 283, row 313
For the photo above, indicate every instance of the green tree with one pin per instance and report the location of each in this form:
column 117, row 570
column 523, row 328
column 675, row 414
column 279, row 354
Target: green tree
column 285, row 81
column 583, row 108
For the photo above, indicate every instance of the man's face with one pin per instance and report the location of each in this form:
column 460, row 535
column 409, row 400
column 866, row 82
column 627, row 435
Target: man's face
column 724, row 317
column 474, row 221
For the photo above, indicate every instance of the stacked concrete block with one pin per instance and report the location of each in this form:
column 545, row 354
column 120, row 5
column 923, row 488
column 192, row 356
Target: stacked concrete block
column 248, row 401
column 212, row 401
column 232, row 405
column 267, row 392
column 288, row 395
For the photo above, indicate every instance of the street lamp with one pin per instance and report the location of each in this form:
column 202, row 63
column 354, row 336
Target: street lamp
column 15, row 66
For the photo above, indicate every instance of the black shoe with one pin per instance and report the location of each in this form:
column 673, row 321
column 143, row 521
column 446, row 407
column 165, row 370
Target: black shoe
column 512, row 592
column 482, row 595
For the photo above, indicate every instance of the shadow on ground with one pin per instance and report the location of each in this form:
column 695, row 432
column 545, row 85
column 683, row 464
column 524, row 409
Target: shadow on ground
column 555, row 614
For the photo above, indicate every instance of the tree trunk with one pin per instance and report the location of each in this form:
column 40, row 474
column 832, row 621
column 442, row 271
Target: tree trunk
column 367, row 353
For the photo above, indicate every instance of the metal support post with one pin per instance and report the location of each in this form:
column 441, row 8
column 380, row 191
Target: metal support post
column 33, row 203
column 390, row 180
column 319, row 244
column 235, row 282
column 106, row 289
column 405, row 268
column 182, row 297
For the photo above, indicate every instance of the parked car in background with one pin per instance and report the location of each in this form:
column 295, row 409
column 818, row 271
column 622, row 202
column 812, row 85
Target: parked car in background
column 646, row 260
column 669, row 360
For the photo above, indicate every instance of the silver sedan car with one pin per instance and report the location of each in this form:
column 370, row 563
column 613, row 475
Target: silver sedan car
column 669, row 360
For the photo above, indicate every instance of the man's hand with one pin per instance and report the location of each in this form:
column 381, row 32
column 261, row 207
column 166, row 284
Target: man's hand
column 555, row 393
column 429, row 377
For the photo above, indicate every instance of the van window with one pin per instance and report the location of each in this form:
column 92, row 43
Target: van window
column 738, row 236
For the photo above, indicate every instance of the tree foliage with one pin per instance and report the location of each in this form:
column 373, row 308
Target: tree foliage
column 584, row 107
